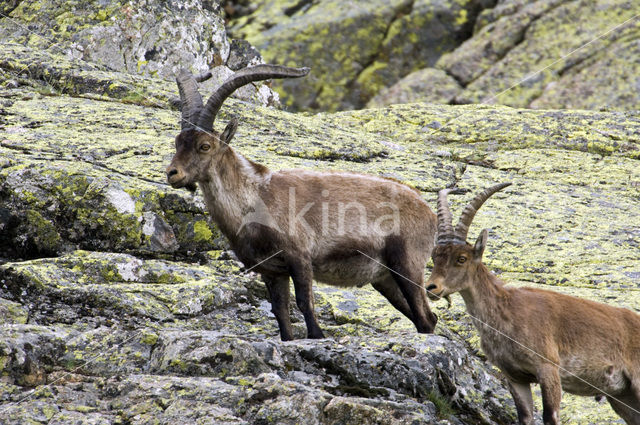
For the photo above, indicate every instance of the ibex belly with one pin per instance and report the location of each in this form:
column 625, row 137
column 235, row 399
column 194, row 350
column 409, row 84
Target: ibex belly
column 591, row 380
column 515, row 363
column 350, row 271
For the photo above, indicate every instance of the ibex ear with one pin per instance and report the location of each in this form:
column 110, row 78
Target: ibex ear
column 481, row 242
column 229, row 131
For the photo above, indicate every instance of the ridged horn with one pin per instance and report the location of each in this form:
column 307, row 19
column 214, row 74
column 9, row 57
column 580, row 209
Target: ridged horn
column 462, row 228
column 204, row 76
column 189, row 98
column 445, row 227
column 239, row 79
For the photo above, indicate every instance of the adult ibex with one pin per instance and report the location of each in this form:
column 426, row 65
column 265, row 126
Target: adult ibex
column 533, row 335
column 337, row 227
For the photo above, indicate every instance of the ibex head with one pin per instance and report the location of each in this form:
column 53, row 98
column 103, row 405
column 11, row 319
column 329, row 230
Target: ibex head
column 198, row 143
column 454, row 260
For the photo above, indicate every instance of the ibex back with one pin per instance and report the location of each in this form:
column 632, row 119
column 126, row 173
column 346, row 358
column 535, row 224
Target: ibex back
column 533, row 335
column 337, row 227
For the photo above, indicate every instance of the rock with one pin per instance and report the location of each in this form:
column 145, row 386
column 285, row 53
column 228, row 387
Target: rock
column 499, row 52
column 50, row 208
column 589, row 85
column 51, row 72
column 100, row 296
column 28, row 352
column 11, row 84
column 12, row 312
column 517, row 43
column 235, row 9
column 353, row 49
column 107, row 320
column 8, row 6
column 159, row 232
column 426, row 85
column 151, row 39
column 242, row 54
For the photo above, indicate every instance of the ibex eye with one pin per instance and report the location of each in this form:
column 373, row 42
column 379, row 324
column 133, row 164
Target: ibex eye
column 462, row 260
column 205, row 148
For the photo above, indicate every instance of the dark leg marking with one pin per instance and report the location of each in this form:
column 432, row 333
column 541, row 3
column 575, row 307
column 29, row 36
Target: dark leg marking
column 410, row 282
column 390, row 290
column 302, row 275
column 278, row 287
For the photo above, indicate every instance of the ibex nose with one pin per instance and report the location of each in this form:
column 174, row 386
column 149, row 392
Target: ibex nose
column 174, row 176
column 434, row 290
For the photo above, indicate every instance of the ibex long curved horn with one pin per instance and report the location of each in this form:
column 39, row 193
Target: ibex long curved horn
column 445, row 227
column 190, row 98
column 462, row 228
column 239, row 79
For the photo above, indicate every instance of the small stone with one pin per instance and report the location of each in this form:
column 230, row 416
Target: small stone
column 159, row 233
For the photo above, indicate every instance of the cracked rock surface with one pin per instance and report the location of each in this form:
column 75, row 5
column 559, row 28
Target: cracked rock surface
column 568, row 54
column 119, row 302
column 354, row 49
column 530, row 42
column 146, row 38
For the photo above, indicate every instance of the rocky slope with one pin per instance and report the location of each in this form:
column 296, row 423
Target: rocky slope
column 574, row 54
column 120, row 304
column 148, row 38
column 355, row 48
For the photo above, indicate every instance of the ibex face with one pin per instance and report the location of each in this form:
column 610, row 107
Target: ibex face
column 454, row 260
column 199, row 144
column 195, row 153
column 454, row 266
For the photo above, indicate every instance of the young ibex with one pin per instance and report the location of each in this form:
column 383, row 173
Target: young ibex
column 533, row 335
column 304, row 224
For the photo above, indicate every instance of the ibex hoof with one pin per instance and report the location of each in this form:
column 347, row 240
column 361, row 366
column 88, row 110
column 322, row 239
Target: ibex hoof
column 315, row 335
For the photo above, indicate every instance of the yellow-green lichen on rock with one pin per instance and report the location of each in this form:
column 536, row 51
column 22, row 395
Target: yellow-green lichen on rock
column 519, row 56
column 181, row 331
column 417, row 37
column 354, row 49
column 145, row 39
column 425, row 85
column 335, row 65
column 538, row 54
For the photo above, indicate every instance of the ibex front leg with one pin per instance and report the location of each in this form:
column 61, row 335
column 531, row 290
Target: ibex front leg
column 521, row 394
column 550, row 386
column 278, row 287
column 302, row 275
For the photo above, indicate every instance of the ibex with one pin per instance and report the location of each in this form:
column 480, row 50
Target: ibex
column 533, row 335
column 331, row 226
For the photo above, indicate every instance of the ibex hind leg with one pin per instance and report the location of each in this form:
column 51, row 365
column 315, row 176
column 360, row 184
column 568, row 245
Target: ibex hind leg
column 635, row 388
column 409, row 278
column 278, row 287
column 391, row 291
column 627, row 406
